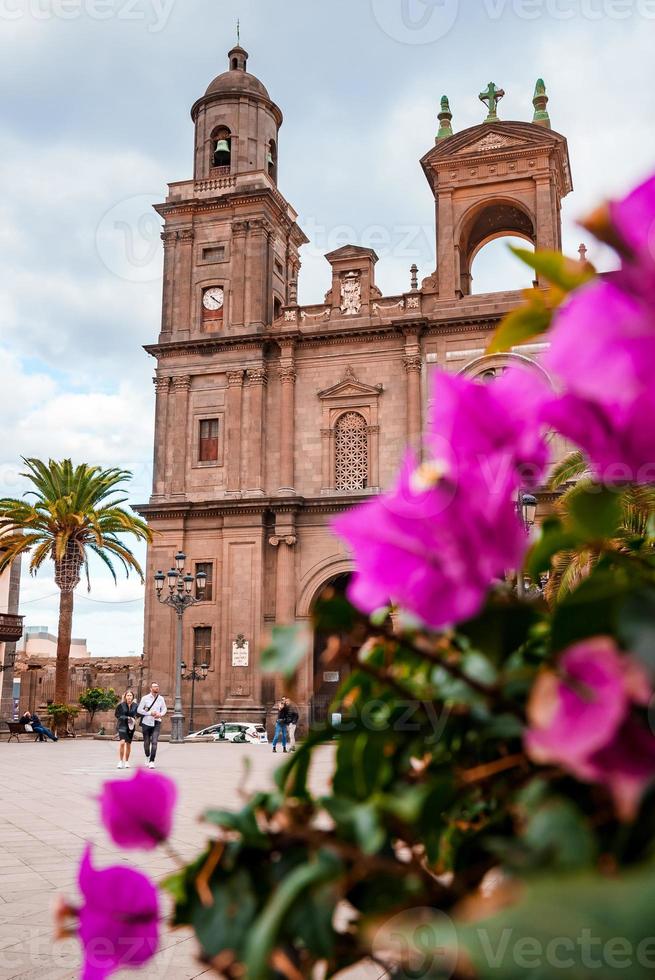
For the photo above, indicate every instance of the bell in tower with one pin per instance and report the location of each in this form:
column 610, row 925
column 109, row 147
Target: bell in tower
column 237, row 124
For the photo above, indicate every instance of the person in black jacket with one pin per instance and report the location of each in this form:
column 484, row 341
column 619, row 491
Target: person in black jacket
column 126, row 717
column 292, row 712
column 281, row 726
column 37, row 727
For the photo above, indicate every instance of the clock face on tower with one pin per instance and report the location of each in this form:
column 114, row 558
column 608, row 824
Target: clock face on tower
column 213, row 298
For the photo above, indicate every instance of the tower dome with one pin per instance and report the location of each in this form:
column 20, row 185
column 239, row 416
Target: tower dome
column 237, row 78
column 233, row 136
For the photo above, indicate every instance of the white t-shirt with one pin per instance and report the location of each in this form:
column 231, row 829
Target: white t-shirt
column 148, row 704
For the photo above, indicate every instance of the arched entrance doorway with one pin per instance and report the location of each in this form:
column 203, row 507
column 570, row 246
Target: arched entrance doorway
column 328, row 672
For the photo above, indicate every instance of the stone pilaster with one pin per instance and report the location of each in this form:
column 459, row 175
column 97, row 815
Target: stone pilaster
column 259, row 260
column 287, row 420
column 181, row 312
column 257, row 381
column 169, row 239
column 234, row 423
column 162, row 388
column 178, row 435
column 238, row 274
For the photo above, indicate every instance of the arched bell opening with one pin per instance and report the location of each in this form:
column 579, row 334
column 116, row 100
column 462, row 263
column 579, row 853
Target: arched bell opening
column 494, row 268
column 222, row 149
column 483, row 226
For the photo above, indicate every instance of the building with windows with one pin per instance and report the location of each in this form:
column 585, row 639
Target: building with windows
column 272, row 417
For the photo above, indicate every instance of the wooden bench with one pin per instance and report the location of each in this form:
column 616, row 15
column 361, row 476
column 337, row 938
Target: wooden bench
column 16, row 730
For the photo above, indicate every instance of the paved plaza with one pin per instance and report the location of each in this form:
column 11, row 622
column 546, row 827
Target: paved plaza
column 48, row 812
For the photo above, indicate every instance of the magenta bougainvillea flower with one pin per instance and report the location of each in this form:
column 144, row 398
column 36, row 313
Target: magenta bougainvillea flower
column 119, row 920
column 608, row 407
column 634, row 218
column 584, row 720
column 437, row 542
column 492, row 431
column 138, row 812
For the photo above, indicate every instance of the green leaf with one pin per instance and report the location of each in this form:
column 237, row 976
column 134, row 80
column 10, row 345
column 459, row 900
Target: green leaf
column 227, row 923
column 574, row 926
column 595, row 511
column 264, row 932
column 530, row 320
column 502, row 627
column 289, row 646
column 592, row 610
column 636, row 627
column 567, row 274
column 554, row 538
column 560, row 833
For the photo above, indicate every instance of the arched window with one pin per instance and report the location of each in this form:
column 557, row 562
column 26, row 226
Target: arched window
column 351, row 452
column 271, row 160
column 222, row 148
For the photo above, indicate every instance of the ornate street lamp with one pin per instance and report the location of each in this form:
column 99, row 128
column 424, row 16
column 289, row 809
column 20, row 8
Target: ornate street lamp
column 180, row 597
column 526, row 507
column 197, row 673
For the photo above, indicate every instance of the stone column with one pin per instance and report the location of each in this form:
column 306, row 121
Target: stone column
column 285, row 586
column 177, row 434
column 448, row 282
column 287, row 421
column 257, row 381
column 162, row 387
column 413, row 366
column 168, row 238
column 234, row 412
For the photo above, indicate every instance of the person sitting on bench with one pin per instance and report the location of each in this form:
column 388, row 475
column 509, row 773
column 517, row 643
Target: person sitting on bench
column 37, row 727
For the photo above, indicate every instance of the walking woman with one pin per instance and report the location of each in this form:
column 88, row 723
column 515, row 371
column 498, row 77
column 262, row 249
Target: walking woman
column 126, row 715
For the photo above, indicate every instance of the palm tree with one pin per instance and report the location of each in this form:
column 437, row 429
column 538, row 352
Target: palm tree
column 75, row 511
column 635, row 533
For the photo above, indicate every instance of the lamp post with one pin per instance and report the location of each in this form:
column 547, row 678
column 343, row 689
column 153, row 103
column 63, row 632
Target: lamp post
column 180, row 597
column 197, row 673
column 526, row 507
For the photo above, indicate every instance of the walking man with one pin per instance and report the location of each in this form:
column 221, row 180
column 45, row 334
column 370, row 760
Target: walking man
column 281, row 726
column 152, row 709
column 292, row 712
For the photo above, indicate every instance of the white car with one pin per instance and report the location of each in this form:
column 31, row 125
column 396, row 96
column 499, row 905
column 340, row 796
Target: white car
column 233, row 731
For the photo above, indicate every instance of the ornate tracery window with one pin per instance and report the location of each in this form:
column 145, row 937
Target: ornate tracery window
column 351, row 452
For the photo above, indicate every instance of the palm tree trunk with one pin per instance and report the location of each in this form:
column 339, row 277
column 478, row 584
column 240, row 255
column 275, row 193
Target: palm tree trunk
column 64, row 634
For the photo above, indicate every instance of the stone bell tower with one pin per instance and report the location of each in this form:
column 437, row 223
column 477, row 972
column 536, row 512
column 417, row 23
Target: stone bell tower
column 498, row 178
column 231, row 240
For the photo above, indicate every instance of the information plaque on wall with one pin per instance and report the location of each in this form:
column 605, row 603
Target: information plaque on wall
column 240, row 648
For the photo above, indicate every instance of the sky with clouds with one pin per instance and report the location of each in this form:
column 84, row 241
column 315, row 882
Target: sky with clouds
column 94, row 122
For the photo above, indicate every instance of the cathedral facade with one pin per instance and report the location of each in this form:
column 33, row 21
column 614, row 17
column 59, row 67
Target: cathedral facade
column 272, row 417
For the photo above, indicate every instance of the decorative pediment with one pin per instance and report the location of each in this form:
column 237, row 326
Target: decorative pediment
column 351, row 252
column 350, row 387
column 501, row 137
column 491, row 141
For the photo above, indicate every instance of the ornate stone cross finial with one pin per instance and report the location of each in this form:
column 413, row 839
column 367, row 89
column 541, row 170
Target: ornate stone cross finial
column 492, row 96
column 540, row 101
column 445, row 120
